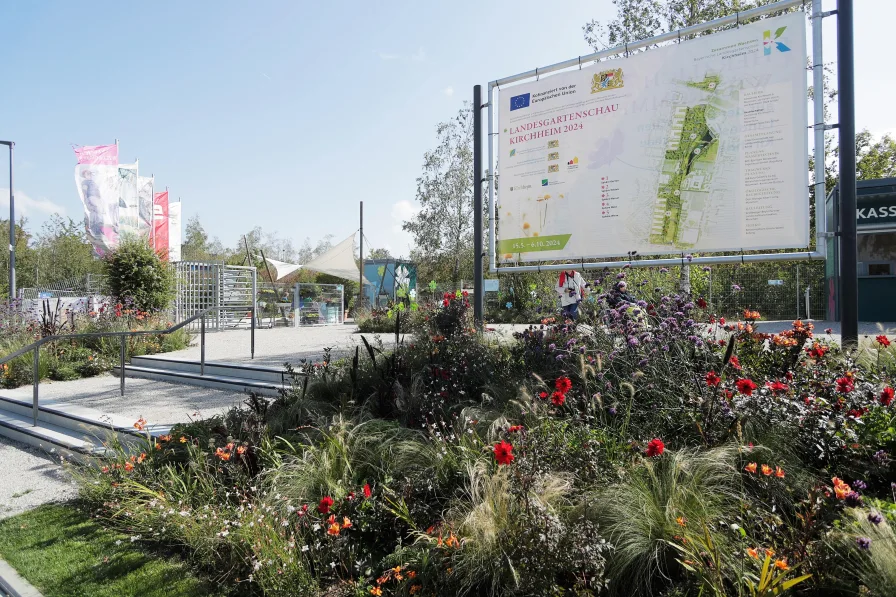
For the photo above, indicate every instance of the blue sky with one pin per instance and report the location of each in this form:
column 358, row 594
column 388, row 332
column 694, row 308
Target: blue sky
column 284, row 115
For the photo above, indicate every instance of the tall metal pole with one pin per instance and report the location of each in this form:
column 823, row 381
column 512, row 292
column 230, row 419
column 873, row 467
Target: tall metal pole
column 361, row 268
column 12, row 224
column 849, row 255
column 478, row 295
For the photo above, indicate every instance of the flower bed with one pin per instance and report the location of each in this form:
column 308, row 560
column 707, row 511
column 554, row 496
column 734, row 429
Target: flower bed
column 68, row 359
column 657, row 452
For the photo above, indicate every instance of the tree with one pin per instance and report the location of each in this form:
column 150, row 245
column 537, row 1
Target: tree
column 63, row 252
column 137, row 274
column 378, row 254
column 443, row 228
column 25, row 257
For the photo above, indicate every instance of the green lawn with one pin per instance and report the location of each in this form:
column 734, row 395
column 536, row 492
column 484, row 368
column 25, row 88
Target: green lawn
column 60, row 551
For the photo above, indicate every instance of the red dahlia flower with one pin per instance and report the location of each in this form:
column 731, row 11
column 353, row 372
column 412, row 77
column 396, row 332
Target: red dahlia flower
column 324, row 506
column 886, row 396
column 734, row 362
column 844, row 385
column 563, row 384
column 543, row 395
column 558, row 398
column 883, row 341
column 712, row 379
column 367, row 491
column 745, row 386
column 655, row 447
column 503, row 452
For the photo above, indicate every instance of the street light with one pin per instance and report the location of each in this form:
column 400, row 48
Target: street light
column 12, row 225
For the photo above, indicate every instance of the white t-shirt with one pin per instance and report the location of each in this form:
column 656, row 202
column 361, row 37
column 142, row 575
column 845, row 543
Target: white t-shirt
column 570, row 287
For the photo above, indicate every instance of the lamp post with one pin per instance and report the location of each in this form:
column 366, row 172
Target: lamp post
column 12, row 225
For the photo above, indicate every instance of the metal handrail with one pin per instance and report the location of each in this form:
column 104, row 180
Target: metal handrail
column 35, row 346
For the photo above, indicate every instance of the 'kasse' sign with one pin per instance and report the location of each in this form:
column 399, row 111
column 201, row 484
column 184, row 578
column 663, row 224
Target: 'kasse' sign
column 875, row 211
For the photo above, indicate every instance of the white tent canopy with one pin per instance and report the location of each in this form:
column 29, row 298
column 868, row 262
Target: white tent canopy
column 338, row 261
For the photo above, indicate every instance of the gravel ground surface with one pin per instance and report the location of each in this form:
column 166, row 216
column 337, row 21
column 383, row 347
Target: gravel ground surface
column 30, row 478
column 158, row 402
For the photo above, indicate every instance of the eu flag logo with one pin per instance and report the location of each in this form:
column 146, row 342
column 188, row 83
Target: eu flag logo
column 519, row 101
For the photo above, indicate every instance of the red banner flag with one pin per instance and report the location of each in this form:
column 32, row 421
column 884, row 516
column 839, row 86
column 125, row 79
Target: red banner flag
column 160, row 223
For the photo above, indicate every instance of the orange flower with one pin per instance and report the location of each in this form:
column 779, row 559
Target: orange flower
column 346, row 523
column 753, row 553
column 750, row 468
column 333, row 529
column 415, row 589
column 411, row 574
column 128, row 466
column 183, row 440
column 779, row 472
column 241, row 450
column 766, row 470
column 164, row 438
column 140, row 424
column 782, row 564
column 769, row 552
column 376, row 591
column 141, row 458
column 681, row 520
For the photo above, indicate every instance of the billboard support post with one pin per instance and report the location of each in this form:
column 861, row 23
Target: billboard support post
column 478, row 291
column 820, row 229
column 849, row 292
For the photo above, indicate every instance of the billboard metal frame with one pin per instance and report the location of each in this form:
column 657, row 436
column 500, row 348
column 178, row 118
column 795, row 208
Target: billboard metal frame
column 818, row 126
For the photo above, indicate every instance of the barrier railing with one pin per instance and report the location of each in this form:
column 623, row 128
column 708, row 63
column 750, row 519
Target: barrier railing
column 35, row 346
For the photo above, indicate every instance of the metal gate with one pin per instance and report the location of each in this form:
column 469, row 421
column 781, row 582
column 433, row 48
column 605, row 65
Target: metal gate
column 202, row 285
column 779, row 291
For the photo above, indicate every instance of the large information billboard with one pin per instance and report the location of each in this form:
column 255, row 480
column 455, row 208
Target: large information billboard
column 697, row 146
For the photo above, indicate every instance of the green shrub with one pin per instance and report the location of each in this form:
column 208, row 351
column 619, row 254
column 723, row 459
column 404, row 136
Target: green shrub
column 138, row 276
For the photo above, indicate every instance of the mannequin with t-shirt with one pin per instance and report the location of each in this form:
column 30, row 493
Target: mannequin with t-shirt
column 571, row 289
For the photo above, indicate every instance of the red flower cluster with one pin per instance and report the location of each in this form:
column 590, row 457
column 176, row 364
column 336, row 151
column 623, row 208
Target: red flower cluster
column 883, row 341
column 655, row 447
column 745, row 386
column 712, row 379
column 558, row 397
column 816, row 351
column 734, row 362
column 503, row 452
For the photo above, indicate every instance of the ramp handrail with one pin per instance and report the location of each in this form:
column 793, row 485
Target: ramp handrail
column 35, row 346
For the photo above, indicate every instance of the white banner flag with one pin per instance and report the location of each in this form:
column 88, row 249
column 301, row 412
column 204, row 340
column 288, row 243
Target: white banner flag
column 128, row 204
column 98, row 183
column 174, row 234
column 144, row 202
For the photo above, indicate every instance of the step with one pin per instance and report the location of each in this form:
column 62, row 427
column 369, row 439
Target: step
column 233, row 370
column 82, row 422
column 48, row 437
column 218, row 382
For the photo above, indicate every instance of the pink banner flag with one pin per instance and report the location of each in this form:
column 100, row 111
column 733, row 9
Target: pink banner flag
column 98, row 183
column 160, row 223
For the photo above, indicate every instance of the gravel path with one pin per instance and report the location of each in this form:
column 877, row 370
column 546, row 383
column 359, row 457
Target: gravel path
column 30, row 478
column 158, row 402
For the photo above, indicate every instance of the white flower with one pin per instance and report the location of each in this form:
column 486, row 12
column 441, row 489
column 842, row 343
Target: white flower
column 333, row 565
column 305, row 548
column 184, row 513
column 135, row 538
column 316, row 527
column 257, row 566
column 118, row 542
column 285, row 523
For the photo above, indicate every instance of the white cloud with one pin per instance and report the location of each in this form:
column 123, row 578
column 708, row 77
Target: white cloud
column 449, row 91
column 28, row 206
